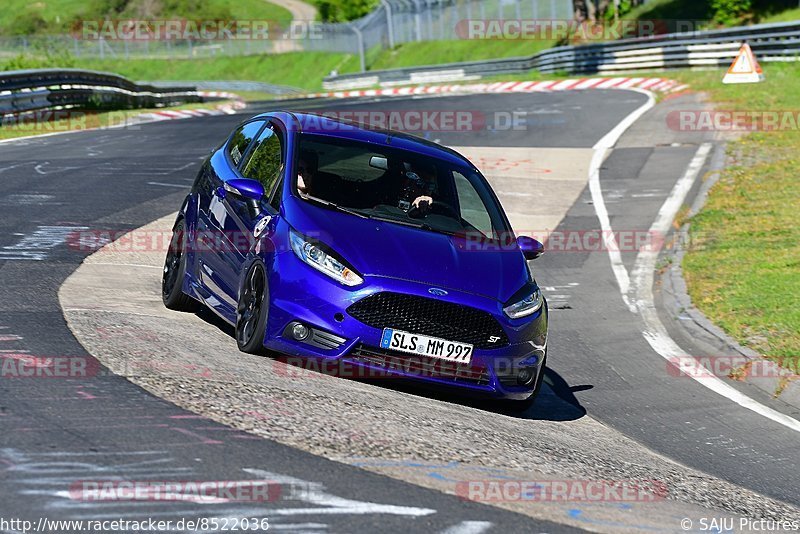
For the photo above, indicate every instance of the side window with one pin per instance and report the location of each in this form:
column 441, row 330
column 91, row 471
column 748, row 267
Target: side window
column 473, row 210
column 264, row 163
column 241, row 138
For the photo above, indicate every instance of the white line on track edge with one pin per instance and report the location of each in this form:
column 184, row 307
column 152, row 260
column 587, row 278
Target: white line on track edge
column 639, row 296
column 600, row 150
column 655, row 333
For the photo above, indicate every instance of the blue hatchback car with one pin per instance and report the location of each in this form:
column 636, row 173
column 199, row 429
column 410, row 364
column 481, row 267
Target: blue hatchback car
column 371, row 251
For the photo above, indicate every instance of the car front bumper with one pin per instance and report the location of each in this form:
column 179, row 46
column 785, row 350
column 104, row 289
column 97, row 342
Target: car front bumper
column 341, row 344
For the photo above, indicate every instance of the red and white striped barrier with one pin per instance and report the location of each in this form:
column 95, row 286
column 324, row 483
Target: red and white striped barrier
column 228, row 108
column 660, row 85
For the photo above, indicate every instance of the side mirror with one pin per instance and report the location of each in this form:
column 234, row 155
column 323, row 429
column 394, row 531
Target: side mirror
column 379, row 162
column 245, row 188
column 530, row 247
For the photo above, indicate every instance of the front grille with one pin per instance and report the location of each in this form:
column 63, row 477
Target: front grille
column 421, row 315
column 420, row 366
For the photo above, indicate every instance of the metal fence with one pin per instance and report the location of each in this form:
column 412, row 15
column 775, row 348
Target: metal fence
column 778, row 42
column 26, row 91
column 392, row 22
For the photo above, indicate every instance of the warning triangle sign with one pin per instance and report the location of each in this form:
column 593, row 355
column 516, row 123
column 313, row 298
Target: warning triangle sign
column 745, row 68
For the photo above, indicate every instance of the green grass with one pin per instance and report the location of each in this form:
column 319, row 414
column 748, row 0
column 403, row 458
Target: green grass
column 343, row 10
column 435, row 52
column 703, row 11
column 58, row 14
column 256, row 10
column 668, row 10
column 743, row 269
column 304, row 70
column 23, row 17
column 790, row 15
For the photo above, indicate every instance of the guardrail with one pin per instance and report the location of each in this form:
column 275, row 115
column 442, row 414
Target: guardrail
column 25, row 91
column 770, row 42
column 229, row 85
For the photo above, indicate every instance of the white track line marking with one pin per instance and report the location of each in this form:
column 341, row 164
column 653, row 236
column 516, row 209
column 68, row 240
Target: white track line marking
column 140, row 265
column 331, row 504
column 642, row 294
column 468, row 527
column 162, row 184
column 600, row 149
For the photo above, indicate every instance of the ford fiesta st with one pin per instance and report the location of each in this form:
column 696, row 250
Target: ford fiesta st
column 374, row 249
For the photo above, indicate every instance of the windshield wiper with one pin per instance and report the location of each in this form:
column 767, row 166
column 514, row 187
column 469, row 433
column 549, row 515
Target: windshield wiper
column 398, row 221
column 336, row 207
column 421, row 225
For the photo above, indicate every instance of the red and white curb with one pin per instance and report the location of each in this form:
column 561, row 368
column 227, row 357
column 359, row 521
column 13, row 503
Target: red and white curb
column 659, row 85
column 228, row 108
column 171, row 114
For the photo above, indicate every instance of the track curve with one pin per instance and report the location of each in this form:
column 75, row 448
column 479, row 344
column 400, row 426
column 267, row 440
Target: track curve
column 109, row 180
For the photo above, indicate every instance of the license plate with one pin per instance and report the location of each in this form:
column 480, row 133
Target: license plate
column 432, row 347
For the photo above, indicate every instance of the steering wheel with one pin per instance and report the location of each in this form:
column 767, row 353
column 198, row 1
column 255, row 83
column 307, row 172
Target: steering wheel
column 442, row 208
column 436, row 207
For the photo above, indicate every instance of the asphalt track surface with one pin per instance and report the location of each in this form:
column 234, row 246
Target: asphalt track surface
column 53, row 435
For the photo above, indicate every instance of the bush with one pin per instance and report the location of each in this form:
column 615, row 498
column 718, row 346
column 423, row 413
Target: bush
column 47, row 59
column 729, row 12
column 344, row 10
column 27, row 23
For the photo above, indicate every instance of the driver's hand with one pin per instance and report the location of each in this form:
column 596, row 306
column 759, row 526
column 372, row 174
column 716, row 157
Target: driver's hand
column 419, row 200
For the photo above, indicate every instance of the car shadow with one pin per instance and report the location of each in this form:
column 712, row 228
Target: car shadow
column 215, row 320
column 556, row 401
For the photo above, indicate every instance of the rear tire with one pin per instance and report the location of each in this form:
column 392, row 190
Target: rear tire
column 252, row 311
column 175, row 271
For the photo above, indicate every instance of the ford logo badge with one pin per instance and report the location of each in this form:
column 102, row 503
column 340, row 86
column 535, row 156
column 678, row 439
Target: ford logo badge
column 438, row 292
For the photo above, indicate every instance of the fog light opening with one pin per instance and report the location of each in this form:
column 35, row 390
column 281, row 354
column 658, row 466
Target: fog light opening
column 525, row 376
column 300, row 332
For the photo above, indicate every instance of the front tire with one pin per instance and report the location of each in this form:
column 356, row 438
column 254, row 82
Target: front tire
column 252, row 311
column 175, row 271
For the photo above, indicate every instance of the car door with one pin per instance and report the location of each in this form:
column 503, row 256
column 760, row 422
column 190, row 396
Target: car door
column 264, row 162
column 213, row 215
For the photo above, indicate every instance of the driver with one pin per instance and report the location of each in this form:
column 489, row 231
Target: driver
column 420, row 186
column 307, row 166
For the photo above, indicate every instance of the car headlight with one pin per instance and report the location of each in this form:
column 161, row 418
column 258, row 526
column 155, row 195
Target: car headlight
column 316, row 255
column 526, row 306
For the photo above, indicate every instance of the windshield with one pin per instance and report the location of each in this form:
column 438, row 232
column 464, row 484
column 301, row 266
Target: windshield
column 398, row 186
